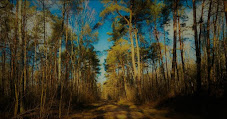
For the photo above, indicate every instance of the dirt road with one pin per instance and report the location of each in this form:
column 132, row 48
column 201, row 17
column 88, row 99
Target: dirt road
column 113, row 110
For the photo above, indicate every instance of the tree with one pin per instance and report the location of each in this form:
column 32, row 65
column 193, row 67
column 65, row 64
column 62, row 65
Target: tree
column 208, row 47
column 198, row 56
column 117, row 57
column 114, row 7
column 156, row 10
column 174, row 40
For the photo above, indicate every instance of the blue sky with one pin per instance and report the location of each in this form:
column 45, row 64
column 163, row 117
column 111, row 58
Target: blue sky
column 103, row 44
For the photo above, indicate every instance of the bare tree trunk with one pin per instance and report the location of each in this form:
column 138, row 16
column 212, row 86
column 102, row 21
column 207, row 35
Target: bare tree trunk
column 66, row 47
column 132, row 46
column 155, row 71
column 3, row 65
column 200, row 31
column 224, row 39
column 200, row 25
column 160, row 52
column 198, row 58
column 72, row 73
column 44, row 77
column 225, row 49
column 138, row 58
column 218, row 65
column 15, row 56
column 215, row 39
column 167, row 74
column 208, row 47
column 59, row 61
column 125, row 81
column 181, row 44
column 174, row 41
column 21, row 83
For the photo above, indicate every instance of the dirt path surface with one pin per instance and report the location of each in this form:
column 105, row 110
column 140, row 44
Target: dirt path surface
column 113, row 110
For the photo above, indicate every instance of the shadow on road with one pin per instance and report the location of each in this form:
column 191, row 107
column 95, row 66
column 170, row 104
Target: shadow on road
column 113, row 110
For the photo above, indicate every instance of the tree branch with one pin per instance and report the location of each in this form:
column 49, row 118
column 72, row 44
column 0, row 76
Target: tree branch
column 123, row 17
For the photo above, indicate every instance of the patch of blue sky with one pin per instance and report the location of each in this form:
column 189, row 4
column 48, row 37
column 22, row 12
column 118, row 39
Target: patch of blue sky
column 103, row 44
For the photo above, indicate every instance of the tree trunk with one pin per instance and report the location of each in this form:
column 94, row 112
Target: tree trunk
column 15, row 56
column 160, row 51
column 198, row 58
column 132, row 46
column 181, row 44
column 138, row 58
column 208, row 48
column 215, row 39
column 200, row 31
column 167, row 74
column 44, row 77
column 66, row 49
column 225, row 49
column 21, row 83
column 200, row 25
column 174, row 41
column 3, row 66
column 59, row 61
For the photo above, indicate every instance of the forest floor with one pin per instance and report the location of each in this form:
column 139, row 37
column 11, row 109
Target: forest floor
column 105, row 109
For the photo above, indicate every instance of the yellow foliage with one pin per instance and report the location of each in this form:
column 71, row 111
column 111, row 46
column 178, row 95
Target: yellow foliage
column 111, row 7
column 118, row 52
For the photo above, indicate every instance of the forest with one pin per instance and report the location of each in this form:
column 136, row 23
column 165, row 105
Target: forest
column 124, row 59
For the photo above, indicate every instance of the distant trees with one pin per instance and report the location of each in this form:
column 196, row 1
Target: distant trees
column 42, row 62
column 151, row 23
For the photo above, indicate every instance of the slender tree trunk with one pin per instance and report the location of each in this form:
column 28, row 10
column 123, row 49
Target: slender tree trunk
column 152, row 75
column 208, row 48
column 181, row 40
column 155, row 71
column 21, row 83
column 3, row 66
column 138, row 54
column 177, row 68
column 24, row 36
column 225, row 49
column 15, row 56
column 181, row 44
column 72, row 73
column 78, row 67
column 132, row 46
column 167, row 74
column 138, row 58
column 198, row 58
column 218, row 66
column 201, row 25
column 160, row 52
column 44, row 77
column 59, row 61
column 215, row 40
column 200, row 32
column 66, row 48
column 174, row 41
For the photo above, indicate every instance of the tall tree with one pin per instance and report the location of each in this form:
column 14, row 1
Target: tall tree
column 198, row 56
column 115, row 7
column 174, row 40
column 208, row 47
